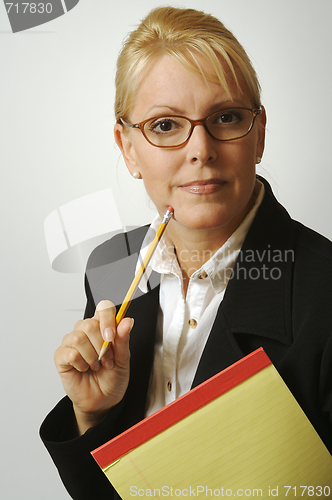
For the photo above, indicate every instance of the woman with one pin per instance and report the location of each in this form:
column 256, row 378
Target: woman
column 237, row 272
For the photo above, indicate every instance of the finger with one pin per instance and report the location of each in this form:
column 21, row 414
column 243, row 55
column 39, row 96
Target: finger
column 121, row 343
column 105, row 314
column 78, row 324
column 123, row 331
column 91, row 327
column 108, row 359
column 67, row 358
column 79, row 347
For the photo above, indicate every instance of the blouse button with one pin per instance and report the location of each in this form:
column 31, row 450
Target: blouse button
column 192, row 323
column 169, row 386
column 202, row 275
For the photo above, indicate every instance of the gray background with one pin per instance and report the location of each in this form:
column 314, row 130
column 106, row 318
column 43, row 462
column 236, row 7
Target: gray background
column 56, row 145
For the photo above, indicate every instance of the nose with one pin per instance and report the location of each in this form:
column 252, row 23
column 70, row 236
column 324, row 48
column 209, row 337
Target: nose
column 201, row 147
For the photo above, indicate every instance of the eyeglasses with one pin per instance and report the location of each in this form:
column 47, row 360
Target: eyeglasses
column 175, row 131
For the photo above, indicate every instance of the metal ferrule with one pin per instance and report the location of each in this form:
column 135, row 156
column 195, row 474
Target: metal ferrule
column 167, row 216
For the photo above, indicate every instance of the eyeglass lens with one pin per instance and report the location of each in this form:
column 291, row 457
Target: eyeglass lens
column 174, row 130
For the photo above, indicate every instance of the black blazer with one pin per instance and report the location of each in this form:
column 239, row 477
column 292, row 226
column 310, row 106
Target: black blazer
column 278, row 298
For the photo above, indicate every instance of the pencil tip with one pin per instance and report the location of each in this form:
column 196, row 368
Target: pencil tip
column 103, row 350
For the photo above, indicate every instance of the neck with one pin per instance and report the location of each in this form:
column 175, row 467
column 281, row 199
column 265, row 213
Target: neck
column 194, row 247
column 193, row 250
column 192, row 254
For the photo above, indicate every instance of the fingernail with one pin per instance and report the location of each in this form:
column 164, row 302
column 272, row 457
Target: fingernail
column 109, row 334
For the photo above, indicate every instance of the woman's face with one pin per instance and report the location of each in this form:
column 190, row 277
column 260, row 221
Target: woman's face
column 209, row 183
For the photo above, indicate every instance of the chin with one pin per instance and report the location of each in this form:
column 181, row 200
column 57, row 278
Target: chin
column 197, row 219
column 212, row 217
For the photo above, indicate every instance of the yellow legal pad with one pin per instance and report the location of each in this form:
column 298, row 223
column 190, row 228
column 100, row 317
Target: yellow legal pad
column 241, row 433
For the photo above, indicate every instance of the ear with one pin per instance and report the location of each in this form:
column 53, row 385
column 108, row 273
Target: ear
column 261, row 132
column 126, row 147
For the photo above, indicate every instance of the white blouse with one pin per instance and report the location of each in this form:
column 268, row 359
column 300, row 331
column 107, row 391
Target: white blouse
column 184, row 323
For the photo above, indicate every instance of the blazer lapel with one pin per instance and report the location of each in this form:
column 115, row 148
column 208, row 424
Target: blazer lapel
column 220, row 351
column 145, row 311
column 257, row 301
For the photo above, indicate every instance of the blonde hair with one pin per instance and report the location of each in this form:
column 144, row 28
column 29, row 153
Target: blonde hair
column 180, row 33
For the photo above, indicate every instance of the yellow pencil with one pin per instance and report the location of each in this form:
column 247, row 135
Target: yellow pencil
column 133, row 287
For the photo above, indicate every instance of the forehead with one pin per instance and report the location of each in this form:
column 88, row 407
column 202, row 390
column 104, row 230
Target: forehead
column 168, row 84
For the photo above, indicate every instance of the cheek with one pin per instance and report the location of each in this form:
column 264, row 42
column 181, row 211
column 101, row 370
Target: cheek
column 157, row 174
column 241, row 156
column 159, row 166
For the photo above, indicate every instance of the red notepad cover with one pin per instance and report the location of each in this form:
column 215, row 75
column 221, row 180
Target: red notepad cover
column 181, row 408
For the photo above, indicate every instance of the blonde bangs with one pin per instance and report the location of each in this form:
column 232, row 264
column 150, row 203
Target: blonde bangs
column 182, row 34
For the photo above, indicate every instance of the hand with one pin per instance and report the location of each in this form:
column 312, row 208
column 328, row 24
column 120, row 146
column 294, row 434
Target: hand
column 93, row 386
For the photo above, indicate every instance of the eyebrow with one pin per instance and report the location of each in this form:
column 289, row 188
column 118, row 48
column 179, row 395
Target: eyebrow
column 227, row 104
column 214, row 107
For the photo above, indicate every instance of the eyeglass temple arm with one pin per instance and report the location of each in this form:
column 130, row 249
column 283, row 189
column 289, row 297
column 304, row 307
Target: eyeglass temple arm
column 129, row 124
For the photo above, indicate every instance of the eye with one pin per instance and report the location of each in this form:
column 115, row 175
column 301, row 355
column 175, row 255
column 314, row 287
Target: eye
column 164, row 125
column 230, row 117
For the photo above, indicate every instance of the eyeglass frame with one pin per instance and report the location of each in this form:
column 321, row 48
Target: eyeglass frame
column 193, row 123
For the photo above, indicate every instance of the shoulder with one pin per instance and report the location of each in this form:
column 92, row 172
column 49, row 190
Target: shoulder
column 312, row 243
column 312, row 273
column 305, row 256
column 274, row 219
column 117, row 248
column 111, row 268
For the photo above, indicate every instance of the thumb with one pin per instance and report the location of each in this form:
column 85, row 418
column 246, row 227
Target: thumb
column 121, row 344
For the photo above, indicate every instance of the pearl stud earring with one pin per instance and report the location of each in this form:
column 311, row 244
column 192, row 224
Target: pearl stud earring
column 258, row 159
column 137, row 175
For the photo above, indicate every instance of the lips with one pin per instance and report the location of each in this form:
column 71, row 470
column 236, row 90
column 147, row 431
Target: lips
column 205, row 186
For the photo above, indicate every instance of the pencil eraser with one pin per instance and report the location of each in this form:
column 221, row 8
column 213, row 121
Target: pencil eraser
column 170, row 209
